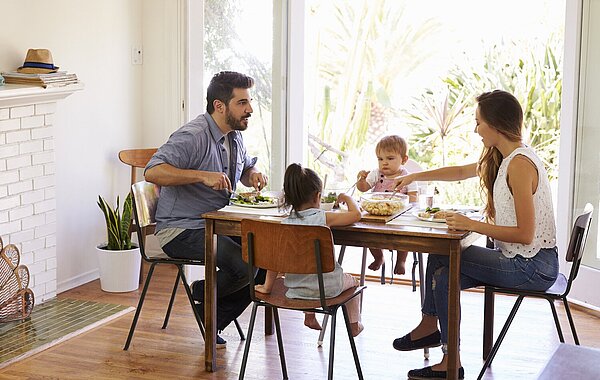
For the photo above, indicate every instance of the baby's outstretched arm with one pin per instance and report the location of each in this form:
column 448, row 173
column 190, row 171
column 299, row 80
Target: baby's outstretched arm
column 268, row 285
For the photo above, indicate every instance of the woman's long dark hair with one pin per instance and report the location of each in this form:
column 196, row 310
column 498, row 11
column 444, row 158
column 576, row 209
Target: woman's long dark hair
column 300, row 186
column 501, row 111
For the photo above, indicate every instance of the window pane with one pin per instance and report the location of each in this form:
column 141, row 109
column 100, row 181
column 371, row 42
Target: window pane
column 587, row 177
column 238, row 36
column 413, row 68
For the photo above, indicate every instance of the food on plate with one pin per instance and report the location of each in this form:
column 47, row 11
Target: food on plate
column 441, row 214
column 434, row 213
column 253, row 198
column 331, row 197
column 383, row 204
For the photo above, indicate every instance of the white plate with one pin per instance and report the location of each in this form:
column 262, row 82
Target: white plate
column 430, row 219
column 254, row 205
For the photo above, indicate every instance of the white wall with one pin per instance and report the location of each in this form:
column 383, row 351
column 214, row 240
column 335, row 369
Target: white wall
column 92, row 39
column 163, row 70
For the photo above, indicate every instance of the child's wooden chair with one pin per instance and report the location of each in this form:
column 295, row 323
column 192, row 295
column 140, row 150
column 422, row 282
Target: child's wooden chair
column 293, row 249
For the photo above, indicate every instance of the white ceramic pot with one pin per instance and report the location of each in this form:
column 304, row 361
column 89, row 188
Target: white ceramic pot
column 119, row 270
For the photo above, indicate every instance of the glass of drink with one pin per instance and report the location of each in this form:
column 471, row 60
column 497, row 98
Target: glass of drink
column 425, row 196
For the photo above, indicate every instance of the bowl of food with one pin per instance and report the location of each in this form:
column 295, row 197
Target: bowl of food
column 383, row 204
column 328, row 201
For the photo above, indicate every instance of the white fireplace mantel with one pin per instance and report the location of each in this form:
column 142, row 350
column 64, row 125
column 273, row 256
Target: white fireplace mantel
column 12, row 95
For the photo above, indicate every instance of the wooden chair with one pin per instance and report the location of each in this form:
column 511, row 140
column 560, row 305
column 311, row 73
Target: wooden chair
column 293, row 249
column 557, row 292
column 137, row 159
column 145, row 199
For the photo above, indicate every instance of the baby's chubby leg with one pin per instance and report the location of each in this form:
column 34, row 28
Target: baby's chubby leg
column 377, row 258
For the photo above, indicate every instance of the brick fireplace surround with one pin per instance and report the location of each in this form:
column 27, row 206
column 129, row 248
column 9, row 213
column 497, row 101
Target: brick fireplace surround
column 27, row 191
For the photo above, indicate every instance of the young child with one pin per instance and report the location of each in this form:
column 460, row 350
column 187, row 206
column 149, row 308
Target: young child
column 392, row 154
column 302, row 189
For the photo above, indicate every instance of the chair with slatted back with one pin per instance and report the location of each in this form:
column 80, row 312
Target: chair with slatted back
column 293, row 249
column 137, row 160
column 145, row 199
column 557, row 292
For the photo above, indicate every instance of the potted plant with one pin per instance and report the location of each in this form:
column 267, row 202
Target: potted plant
column 119, row 259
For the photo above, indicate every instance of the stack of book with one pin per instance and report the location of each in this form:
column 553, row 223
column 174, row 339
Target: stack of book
column 58, row 79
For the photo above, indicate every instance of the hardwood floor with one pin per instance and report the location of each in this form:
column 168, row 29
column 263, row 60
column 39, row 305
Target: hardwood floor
column 389, row 311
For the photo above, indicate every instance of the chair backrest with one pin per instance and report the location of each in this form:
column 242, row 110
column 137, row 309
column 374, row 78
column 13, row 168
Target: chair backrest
column 137, row 159
column 577, row 241
column 145, row 198
column 288, row 248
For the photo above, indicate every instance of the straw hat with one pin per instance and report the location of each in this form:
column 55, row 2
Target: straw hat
column 38, row 61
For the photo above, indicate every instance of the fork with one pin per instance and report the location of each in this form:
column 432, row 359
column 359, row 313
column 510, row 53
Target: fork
column 393, row 194
column 234, row 194
column 351, row 189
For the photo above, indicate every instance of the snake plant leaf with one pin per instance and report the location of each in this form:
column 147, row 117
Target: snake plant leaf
column 126, row 222
column 117, row 235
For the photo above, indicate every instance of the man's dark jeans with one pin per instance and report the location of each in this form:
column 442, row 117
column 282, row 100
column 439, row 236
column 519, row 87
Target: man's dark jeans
column 233, row 271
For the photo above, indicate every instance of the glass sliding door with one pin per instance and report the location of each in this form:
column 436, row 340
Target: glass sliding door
column 414, row 68
column 238, row 36
column 587, row 167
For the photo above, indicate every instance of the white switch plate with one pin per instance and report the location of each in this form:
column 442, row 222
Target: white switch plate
column 137, row 55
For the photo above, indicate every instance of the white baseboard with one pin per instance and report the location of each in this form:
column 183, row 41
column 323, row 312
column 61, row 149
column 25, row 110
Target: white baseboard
column 78, row 280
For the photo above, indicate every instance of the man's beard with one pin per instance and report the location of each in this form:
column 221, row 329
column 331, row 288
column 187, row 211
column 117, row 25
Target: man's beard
column 234, row 123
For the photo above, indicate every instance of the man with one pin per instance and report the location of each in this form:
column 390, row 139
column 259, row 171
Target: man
column 198, row 169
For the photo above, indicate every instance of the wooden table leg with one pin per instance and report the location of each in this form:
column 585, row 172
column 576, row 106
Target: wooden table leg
column 268, row 320
column 454, row 311
column 488, row 322
column 210, row 297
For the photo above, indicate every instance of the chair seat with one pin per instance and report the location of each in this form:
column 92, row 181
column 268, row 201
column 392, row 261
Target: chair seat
column 557, row 289
column 277, row 298
column 164, row 258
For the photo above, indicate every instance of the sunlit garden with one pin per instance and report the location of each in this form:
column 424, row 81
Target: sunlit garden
column 373, row 68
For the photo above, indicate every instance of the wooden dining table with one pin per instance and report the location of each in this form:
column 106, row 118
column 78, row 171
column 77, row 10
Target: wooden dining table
column 438, row 241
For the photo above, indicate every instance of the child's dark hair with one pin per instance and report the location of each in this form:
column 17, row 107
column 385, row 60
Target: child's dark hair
column 300, row 185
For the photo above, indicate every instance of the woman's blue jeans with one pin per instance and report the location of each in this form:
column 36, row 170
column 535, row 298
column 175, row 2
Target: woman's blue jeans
column 485, row 266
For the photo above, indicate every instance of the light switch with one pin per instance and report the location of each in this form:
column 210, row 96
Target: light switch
column 137, row 55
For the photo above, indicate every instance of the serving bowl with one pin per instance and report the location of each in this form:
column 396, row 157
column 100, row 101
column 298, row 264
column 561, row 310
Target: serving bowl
column 383, row 204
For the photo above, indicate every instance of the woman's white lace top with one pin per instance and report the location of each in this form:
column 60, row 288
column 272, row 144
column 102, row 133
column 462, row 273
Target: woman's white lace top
column 545, row 229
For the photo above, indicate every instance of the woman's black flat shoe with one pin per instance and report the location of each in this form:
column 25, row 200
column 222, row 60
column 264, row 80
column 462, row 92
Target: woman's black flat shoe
column 428, row 374
column 407, row 344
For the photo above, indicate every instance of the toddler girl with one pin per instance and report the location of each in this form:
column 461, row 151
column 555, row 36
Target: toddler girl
column 302, row 189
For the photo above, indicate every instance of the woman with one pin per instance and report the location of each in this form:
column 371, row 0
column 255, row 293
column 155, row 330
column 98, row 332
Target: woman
column 520, row 220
